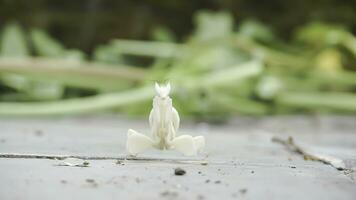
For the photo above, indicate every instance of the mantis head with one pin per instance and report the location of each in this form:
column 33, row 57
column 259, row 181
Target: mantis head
column 163, row 90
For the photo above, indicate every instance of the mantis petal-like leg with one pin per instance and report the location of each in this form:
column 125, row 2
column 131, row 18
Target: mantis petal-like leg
column 199, row 142
column 137, row 142
column 185, row 144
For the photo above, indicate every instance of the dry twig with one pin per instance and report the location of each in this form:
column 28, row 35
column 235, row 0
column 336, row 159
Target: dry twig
column 309, row 155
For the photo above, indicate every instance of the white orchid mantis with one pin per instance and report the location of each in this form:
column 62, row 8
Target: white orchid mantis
column 164, row 122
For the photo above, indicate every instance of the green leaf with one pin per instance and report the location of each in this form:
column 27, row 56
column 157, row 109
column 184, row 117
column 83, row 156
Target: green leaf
column 321, row 34
column 107, row 54
column 13, row 45
column 13, row 42
column 163, row 34
column 213, row 25
column 43, row 90
column 256, row 30
column 268, row 87
column 47, row 46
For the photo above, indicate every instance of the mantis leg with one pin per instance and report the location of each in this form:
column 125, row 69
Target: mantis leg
column 188, row 145
column 137, row 142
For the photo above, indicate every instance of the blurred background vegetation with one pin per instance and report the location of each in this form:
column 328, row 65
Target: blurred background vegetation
column 223, row 58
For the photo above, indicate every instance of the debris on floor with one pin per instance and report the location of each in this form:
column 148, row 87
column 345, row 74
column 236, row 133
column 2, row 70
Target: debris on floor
column 179, row 171
column 243, row 191
column 309, row 154
column 68, row 164
column 170, row 194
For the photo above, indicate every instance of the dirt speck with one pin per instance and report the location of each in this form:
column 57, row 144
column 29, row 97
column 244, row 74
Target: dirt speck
column 293, row 167
column 63, row 181
column 252, row 172
column 179, row 171
column 207, row 181
column 204, row 163
column 67, row 164
column 243, row 191
column 200, row 197
column 120, row 162
column 169, row 194
column 38, row 133
column 89, row 180
column 217, row 182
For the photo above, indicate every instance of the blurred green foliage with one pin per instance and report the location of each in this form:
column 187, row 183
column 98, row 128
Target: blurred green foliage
column 85, row 24
column 220, row 70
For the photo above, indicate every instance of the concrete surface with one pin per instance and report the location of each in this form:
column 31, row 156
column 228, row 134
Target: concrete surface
column 240, row 161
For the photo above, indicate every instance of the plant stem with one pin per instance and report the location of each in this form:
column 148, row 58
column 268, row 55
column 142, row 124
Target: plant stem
column 87, row 75
column 113, row 100
column 241, row 105
column 271, row 56
column 77, row 105
column 340, row 77
column 231, row 75
column 332, row 100
column 147, row 48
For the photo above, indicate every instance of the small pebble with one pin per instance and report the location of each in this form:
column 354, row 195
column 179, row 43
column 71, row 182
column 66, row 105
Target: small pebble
column 243, row 191
column 170, row 194
column 179, row 171
column 204, row 163
column 200, row 197
column 39, row 133
column 89, row 180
